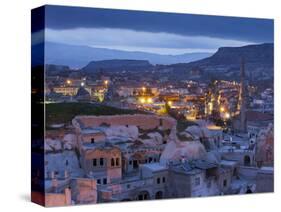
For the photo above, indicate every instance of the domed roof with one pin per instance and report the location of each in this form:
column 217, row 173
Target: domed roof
column 195, row 131
column 199, row 131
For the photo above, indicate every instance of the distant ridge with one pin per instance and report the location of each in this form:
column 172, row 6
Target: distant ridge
column 117, row 65
column 79, row 56
column 223, row 64
column 260, row 54
column 258, row 58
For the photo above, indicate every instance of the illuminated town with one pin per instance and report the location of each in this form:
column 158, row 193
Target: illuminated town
column 128, row 129
column 184, row 139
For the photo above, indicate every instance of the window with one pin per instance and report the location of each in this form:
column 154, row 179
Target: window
column 159, row 195
column 104, row 181
column 224, row 183
column 112, row 162
column 101, row 162
column 128, row 186
column 160, row 122
column 247, row 160
column 92, row 140
column 145, row 196
column 117, row 161
column 163, row 179
column 94, row 162
column 98, row 181
column 158, row 180
column 150, row 160
column 135, row 164
column 197, row 181
column 130, row 162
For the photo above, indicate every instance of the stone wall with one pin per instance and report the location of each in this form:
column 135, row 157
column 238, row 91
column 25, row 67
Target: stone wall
column 144, row 122
column 128, row 191
column 265, row 181
column 87, row 138
column 58, row 199
column 225, row 177
column 84, row 190
column 179, row 185
column 240, row 157
column 246, row 172
column 107, row 170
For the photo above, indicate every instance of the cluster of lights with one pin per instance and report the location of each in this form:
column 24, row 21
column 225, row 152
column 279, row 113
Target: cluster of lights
column 226, row 115
column 144, row 100
column 210, row 105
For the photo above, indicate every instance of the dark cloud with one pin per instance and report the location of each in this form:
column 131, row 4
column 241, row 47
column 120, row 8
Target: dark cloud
column 247, row 29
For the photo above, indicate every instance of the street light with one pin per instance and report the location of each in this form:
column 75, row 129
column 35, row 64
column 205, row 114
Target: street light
column 149, row 100
column 227, row 115
column 170, row 103
column 142, row 100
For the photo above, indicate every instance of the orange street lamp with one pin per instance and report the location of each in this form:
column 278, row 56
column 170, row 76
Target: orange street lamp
column 227, row 115
column 68, row 82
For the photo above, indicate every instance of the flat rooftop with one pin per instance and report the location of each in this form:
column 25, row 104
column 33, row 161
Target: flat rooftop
column 155, row 167
column 192, row 167
column 228, row 162
column 267, row 169
column 94, row 130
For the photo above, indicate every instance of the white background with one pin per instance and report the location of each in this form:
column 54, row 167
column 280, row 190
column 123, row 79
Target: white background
column 15, row 103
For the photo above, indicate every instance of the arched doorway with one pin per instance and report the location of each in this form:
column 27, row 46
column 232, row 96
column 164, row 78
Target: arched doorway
column 159, row 195
column 143, row 195
column 137, row 158
column 247, row 160
column 249, row 191
column 235, row 172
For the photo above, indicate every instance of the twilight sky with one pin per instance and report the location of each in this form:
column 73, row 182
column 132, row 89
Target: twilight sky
column 163, row 33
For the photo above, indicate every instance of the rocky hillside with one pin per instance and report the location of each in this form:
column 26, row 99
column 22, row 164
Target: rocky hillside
column 225, row 63
column 253, row 54
column 117, row 65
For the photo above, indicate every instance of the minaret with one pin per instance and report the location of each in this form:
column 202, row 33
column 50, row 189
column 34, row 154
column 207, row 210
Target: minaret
column 242, row 98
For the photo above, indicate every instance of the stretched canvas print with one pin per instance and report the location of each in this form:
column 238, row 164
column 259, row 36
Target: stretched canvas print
column 134, row 105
